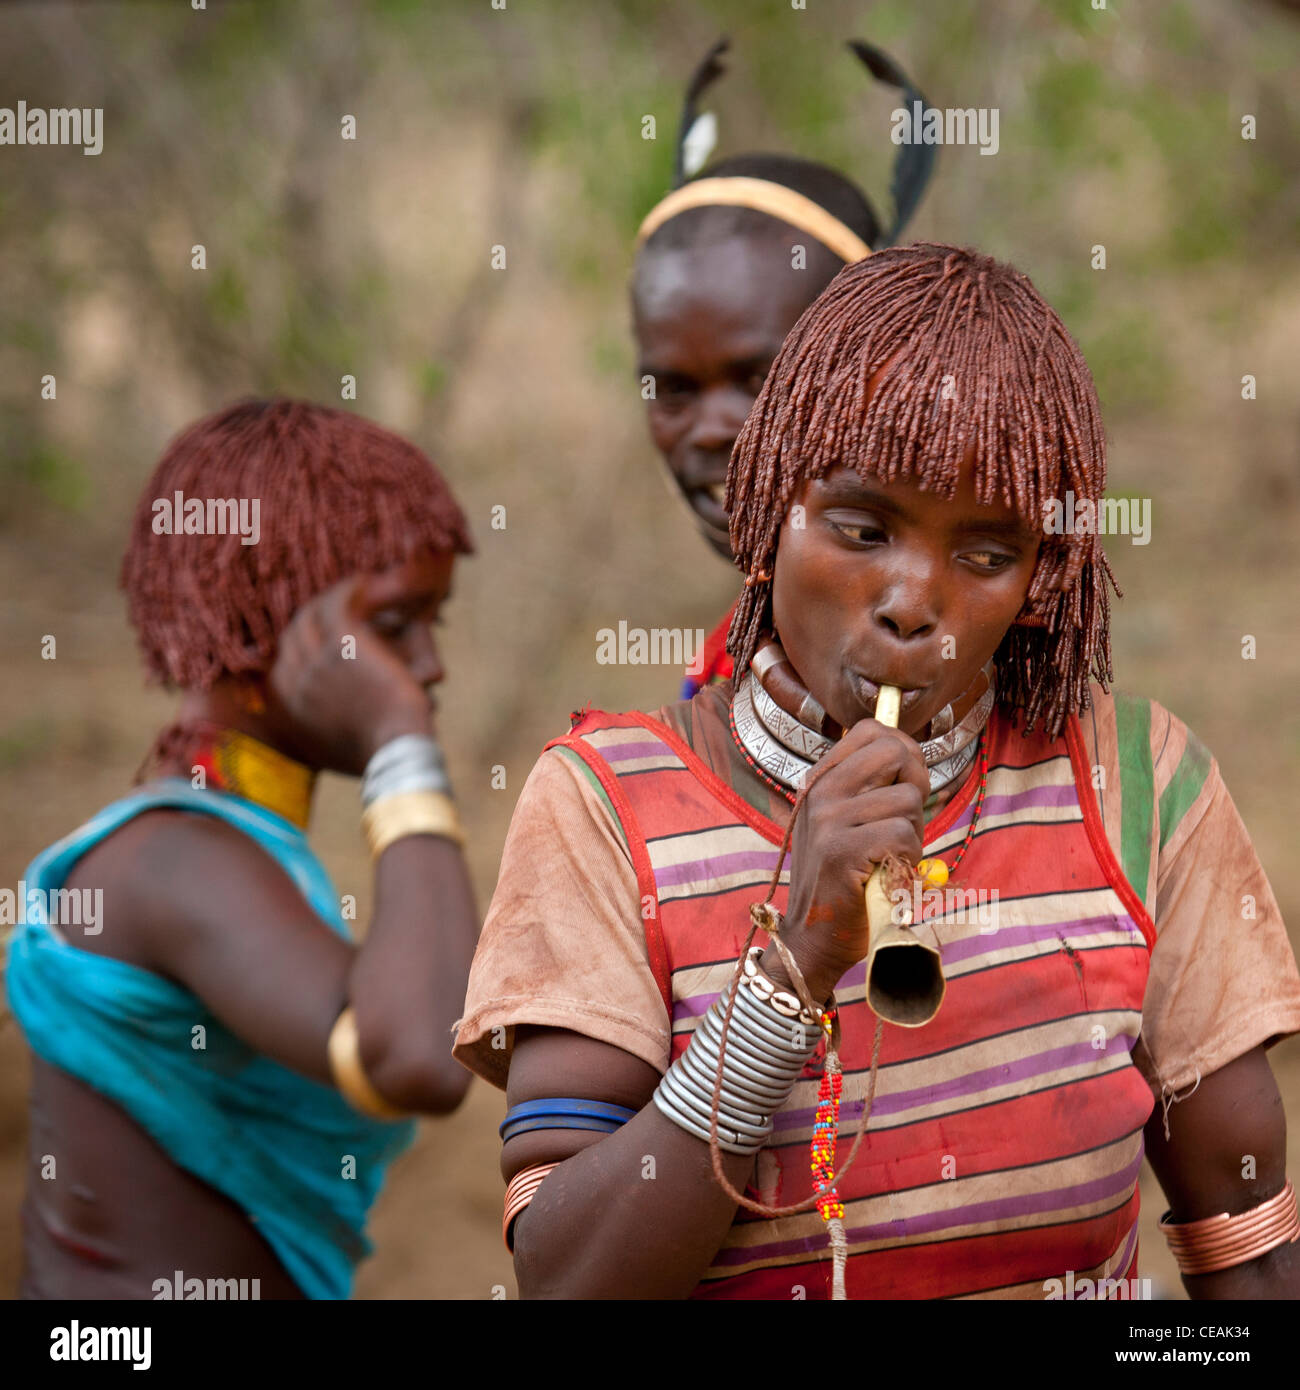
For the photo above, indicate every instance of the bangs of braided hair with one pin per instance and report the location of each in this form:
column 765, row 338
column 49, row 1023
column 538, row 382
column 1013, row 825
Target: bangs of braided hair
column 968, row 352
column 337, row 495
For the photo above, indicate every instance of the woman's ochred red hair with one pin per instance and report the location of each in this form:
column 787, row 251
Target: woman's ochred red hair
column 337, row 495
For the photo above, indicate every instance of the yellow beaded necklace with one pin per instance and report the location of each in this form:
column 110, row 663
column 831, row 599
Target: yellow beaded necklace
column 240, row 765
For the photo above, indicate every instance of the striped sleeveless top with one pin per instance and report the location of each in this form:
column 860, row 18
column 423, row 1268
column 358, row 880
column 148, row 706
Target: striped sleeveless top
column 1005, row 1141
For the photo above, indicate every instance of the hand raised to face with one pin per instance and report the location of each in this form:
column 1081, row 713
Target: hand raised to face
column 354, row 667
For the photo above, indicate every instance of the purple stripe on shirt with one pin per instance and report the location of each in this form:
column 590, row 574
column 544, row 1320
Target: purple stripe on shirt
column 1119, row 1270
column 972, row 1083
column 626, row 752
column 696, row 1005
column 1011, row 802
column 1006, row 937
column 716, row 866
column 974, row 1213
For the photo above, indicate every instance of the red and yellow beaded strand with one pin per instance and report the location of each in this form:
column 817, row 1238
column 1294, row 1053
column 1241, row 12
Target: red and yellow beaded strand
column 826, row 1129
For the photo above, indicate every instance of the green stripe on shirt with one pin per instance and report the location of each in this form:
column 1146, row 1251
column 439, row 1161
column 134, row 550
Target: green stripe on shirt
column 1137, row 788
column 1184, row 786
column 595, row 781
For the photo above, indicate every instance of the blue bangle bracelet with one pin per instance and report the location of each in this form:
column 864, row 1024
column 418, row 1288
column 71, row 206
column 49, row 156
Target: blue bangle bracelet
column 559, row 1122
column 584, row 1112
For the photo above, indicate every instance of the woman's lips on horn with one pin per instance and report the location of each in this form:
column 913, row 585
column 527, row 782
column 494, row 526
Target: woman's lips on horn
column 868, row 692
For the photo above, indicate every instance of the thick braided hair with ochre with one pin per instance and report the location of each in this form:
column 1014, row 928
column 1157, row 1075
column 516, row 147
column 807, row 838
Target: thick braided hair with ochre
column 338, row 495
column 967, row 352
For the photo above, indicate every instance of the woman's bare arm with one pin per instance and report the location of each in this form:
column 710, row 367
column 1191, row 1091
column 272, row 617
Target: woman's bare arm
column 1227, row 1152
column 634, row 1214
column 193, row 899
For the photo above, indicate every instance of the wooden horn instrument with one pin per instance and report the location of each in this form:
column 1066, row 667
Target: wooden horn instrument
column 905, row 983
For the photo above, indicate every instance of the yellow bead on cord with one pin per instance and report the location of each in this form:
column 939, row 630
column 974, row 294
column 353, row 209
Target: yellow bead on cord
column 932, row 872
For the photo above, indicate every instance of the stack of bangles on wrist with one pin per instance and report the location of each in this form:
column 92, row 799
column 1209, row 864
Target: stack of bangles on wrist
column 769, row 1042
column 558, row 1113
column 1220, row 1242
column 406, row 791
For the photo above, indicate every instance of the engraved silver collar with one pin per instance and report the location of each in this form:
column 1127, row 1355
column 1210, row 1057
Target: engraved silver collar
column 787, row 750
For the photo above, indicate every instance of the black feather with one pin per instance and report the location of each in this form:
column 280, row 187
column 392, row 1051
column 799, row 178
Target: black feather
column 915, row 162
column 704, row 76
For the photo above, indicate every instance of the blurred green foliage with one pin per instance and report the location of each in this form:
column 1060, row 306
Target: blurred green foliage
column 59, row 480
column 224, row 129
column 24, row 743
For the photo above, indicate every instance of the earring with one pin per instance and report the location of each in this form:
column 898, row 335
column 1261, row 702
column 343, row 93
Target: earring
column 252, row 699
column 1033, row 612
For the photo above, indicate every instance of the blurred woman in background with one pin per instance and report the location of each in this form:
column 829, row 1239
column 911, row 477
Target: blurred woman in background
column 221, row 1075
column 725, row 264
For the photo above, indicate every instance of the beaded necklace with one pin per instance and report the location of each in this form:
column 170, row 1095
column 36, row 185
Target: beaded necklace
column 240, row 765
column 753, row 766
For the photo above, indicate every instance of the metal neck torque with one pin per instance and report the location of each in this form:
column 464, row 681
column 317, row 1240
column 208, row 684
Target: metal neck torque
column 787, row 749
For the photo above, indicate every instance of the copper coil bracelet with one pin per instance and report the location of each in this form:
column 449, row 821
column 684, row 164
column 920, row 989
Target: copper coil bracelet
column 521, row 1191
column 1223, row 1241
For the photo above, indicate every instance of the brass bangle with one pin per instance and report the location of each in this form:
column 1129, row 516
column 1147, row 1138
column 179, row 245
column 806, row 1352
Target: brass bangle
column 349, row 1075
column 1222, row 1242
column 409, row 813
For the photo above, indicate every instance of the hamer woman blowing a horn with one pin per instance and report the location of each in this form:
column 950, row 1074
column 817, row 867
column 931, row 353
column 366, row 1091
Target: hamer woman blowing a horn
column 682, row 1104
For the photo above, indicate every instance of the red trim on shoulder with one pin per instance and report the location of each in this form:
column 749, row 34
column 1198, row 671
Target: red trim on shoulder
column 1097, row 832
column 654, row 935
column 718, row 663
column 714, row 784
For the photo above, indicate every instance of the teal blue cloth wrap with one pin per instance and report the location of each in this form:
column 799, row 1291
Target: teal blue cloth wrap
column 273, row 1141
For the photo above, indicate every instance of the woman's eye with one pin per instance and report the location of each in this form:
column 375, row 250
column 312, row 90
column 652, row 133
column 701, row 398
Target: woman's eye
column 988, row 559
column 674, row 392
column 864, row 533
